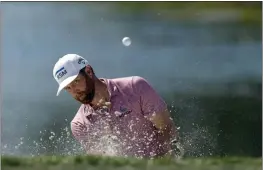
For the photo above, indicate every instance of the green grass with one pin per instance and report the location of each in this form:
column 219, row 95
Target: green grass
column 107, row 163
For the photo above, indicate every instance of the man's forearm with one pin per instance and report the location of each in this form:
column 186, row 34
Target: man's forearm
column 169, row 132
column 165, row 125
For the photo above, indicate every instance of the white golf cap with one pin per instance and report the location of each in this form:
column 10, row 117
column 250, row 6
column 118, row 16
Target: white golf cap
column 67, row 69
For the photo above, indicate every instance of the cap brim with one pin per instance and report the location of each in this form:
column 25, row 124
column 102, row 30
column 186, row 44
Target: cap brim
column 66, row 82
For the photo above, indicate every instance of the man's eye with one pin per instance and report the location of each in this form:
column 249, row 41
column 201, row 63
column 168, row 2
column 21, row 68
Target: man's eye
column 67, row 88
column 76, row 81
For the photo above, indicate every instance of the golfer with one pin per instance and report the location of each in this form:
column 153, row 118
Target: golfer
column 125, row 114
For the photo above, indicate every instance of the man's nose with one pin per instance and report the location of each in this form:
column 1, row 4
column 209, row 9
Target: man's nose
column 75, row 90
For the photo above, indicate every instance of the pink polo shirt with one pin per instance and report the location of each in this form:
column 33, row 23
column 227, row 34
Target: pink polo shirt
column 123, row 129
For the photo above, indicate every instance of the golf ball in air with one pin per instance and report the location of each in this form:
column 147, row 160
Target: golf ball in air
column 126, row 41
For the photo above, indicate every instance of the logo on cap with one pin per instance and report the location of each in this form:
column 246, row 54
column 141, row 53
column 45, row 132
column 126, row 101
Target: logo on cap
column 81, row 60
column 60, row 73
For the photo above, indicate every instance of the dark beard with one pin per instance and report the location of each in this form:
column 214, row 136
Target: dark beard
column 89, row 95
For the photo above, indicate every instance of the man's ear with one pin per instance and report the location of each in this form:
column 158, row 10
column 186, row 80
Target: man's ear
column 89, row 71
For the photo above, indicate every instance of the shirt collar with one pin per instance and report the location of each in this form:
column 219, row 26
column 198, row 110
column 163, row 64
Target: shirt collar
column 111, row 86
column 112, row 89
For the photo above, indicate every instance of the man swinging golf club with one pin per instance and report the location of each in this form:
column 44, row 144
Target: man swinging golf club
column 128, row 110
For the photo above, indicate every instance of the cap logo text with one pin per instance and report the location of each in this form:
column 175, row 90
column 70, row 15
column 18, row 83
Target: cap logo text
column 61, row 72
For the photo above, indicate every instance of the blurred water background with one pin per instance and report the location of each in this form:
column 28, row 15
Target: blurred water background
column 204, row 58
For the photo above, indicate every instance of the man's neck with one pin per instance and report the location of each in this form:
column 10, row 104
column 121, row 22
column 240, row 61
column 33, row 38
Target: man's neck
column 101, row 93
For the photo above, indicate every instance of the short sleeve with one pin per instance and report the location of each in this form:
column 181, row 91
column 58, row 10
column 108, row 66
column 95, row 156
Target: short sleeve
column 151, row 102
